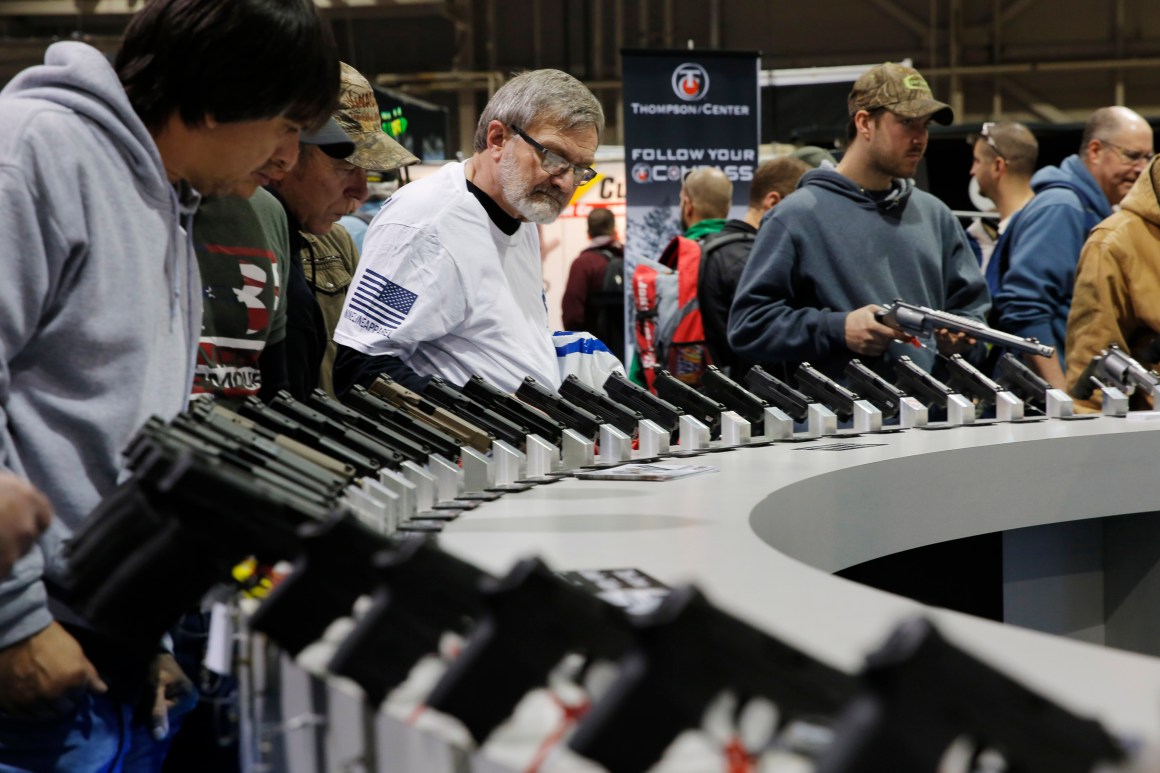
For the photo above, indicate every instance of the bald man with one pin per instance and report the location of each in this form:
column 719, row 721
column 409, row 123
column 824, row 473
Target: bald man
column 1035, row 293
column 705, row 198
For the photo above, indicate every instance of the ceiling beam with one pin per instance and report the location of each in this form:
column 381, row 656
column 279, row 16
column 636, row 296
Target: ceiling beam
column 904, row 17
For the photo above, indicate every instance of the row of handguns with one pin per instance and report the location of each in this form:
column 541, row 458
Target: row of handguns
column 194, row 506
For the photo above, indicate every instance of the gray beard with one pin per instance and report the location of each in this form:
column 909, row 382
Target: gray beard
column 542, row 209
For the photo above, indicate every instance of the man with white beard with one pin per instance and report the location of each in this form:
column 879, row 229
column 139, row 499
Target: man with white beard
column 449, row 282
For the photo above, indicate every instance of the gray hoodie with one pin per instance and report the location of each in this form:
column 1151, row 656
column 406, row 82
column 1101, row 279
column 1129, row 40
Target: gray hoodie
column 100, row 302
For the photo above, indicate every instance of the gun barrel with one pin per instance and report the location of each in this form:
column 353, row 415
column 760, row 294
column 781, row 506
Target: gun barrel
column 920, row 320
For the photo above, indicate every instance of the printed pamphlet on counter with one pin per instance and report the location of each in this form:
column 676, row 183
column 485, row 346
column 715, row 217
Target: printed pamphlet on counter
column 646, row 472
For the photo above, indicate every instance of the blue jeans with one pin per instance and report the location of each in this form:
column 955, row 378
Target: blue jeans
column 98, row 736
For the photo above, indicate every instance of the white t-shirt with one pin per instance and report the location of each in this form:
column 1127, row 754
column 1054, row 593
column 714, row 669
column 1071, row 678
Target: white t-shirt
column 440, row 286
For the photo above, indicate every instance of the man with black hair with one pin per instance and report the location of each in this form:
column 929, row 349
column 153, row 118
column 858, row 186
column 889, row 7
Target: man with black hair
column 100, row 309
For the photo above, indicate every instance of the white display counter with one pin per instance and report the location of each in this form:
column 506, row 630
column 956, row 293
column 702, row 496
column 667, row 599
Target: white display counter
column 762, row 536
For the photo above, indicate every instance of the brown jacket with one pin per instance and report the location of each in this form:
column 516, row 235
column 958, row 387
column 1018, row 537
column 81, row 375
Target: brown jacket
column 1117, row 285
column 330, row 261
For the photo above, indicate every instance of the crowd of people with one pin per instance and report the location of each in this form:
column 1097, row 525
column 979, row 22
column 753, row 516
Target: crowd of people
column 168, row 226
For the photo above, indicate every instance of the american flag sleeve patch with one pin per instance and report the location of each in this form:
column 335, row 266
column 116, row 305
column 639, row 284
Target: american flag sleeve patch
column 382, row 300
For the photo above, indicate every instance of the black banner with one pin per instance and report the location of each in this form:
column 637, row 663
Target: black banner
column 684, row 110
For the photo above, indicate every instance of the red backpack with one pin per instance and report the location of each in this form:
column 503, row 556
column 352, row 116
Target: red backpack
column 669, row 330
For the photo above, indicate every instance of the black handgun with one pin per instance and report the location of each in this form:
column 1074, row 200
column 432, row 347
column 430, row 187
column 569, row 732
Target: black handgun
column 825, row 390
column 405, row 445
column 446, row 396
column 596, row 402
column 734, row 397
column 924, row 692
column 887, row 397
column 216, row 449
column 704, row 409
column 531, row 620
column 915, row 381
column 383, row 456
column 400, row 421
column 573, row 416
column 172, row 531
column 687, row 652
column 258, row 412
column 779, row 394
column 421, row 593
column 1022, row 380
column 334, row 568
column 518, row 411
column 661, row 412
column 972, row 382
column 1115, row 367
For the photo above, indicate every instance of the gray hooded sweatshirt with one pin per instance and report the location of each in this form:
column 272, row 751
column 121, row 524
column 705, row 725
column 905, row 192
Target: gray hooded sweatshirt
column 100, row 301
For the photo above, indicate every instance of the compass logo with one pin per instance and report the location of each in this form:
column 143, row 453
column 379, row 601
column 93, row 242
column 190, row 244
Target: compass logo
column 690, row 82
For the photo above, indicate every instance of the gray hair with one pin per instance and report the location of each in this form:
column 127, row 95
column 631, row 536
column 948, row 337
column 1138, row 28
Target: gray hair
column 540, row 97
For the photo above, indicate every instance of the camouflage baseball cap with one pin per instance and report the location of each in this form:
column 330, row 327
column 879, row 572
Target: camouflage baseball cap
column 358, row 115
column 899, row 89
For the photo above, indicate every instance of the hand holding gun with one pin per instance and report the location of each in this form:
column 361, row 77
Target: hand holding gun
column 924, row 692
column 531, row 620
column 687, row 652
column 922, row 321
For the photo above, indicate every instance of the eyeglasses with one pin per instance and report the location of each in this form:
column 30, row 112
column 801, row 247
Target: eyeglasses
column 988, row 127
column 1133, row 157
column 554, row 164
